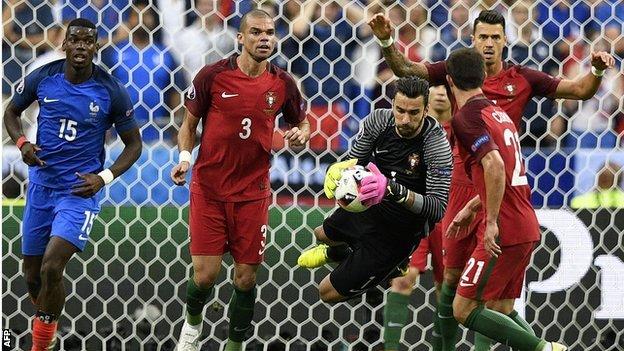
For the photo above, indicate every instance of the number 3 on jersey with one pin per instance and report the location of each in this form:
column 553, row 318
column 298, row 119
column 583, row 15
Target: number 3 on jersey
column 246, row 124
column 512, row 139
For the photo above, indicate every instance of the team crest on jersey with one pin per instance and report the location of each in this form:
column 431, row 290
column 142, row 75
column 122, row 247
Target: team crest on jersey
column 270, row 99
column 511, row 89
column 93, row 109
column 413, row 160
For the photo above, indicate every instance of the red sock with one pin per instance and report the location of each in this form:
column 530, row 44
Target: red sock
column 43, row 334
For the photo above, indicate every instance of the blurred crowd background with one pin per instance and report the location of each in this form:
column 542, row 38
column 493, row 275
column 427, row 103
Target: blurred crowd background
column 155, row 47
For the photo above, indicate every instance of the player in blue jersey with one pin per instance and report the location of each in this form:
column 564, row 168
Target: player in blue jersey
column 78, row 102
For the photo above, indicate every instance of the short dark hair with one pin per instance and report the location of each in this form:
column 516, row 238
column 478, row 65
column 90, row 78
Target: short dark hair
column 467, row 68
column 80, row 22
column 413, row 87
column 489, row 17
column 255, row 13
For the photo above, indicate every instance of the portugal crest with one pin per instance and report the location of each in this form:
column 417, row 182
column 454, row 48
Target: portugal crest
column 414, row 161
column 511, row 89
column 270, row 98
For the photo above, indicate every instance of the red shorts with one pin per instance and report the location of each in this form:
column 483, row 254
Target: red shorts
column 487, row 279
column 457, row 250
column 431, row 244
column 238, row 227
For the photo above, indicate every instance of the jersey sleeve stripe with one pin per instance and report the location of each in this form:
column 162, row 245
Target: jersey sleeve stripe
column 439, row 160
column 370, row 129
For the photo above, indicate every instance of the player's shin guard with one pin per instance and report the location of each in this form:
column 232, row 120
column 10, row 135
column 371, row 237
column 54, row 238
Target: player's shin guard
column 521, row 322
column 501, row 328
column 44, row 329
column 196, row 298
column 396, row 313
column 482, row 342
column 448, row 324
column 241, row 312
column 338, row 253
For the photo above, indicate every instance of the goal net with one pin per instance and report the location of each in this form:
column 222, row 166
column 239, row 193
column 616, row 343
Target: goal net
column 126, row 291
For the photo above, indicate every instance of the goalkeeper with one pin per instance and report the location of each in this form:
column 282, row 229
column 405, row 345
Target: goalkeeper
column 410, row 158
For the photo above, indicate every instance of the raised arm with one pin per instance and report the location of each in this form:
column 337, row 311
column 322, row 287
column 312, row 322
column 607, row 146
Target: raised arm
column 301, row 24
column 400, row 65
column 585, row 87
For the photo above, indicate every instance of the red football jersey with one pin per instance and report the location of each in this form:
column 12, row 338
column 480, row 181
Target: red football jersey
column 511, row 89
column 480, row 127
column 238, row 117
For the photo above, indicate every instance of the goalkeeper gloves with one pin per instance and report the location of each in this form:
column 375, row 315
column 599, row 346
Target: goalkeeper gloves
column 373, row 187
column 333, row 176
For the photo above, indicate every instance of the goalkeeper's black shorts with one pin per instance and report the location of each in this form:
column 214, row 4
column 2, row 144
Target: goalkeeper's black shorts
column 379, row 248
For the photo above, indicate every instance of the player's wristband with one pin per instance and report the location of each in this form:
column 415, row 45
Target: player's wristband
column 21, row 141
column 184, row 156
column 107, row 176
column 386, row 42
column 597, row 72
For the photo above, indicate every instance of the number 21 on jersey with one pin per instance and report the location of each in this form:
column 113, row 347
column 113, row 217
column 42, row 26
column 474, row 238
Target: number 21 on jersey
column 512, row 139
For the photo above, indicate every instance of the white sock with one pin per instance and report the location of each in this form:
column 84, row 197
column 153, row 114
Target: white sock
column 548, row 347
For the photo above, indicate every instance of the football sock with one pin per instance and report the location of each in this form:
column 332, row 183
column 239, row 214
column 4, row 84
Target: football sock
column 502, row 329
column 233, row 346
column 339, row 252
column 436, row 335
column 395, row 317
column 448, row 324
column 482, row 342
column 44, row 328
column 521, row 322
column 241, row 312
column 196, row 298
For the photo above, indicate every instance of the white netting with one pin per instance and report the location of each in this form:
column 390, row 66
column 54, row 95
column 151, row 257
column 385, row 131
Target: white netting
column 126, row 290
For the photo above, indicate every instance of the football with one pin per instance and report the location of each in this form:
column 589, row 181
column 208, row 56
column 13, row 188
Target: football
column 348, row 189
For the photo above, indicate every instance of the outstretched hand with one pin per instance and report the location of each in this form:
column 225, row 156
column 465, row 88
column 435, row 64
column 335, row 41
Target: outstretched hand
column 462, row 221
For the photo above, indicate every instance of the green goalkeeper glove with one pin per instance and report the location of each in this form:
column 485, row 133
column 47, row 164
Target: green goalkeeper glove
column 333, row 175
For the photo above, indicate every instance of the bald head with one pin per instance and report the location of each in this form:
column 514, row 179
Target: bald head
column 255, row 13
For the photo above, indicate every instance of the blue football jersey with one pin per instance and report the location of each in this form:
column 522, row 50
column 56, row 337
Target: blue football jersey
column 73, row 120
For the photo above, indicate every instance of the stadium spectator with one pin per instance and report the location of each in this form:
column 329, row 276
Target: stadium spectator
column 108, row 15
column 25, row 25
column 204, row 41
column 150, row 73
column 455, row 33
column 327, row 41
column 608, row 192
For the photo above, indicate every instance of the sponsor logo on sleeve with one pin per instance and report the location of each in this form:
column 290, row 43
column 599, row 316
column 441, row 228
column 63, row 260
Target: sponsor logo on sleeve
column 441, row 171
column 479, row 142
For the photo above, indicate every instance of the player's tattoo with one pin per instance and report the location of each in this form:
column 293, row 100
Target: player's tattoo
column 401, row 65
